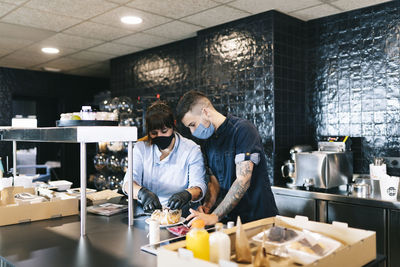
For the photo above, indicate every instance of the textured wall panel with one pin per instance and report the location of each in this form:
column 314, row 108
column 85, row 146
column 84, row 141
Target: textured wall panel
column 354, row 74
column 235, row 69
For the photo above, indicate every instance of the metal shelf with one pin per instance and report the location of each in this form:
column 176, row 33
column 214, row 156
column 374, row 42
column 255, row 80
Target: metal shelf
column 81, row 135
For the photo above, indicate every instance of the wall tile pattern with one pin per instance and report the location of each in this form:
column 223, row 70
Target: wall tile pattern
column 235, row 69
column 289, row 87
column 354, row 80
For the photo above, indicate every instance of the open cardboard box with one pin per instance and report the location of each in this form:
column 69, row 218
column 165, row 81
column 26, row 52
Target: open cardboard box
column 358, row 246
column 11, row 213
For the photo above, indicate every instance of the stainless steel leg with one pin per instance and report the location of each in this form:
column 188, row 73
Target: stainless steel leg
column 130, row 184
column 83, row 189
column 14, row 158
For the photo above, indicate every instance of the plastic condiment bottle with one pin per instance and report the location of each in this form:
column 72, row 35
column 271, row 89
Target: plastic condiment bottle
column 220, row 245
column 197, row 240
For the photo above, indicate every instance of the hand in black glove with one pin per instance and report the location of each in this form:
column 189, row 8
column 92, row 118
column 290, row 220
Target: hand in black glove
column 149, row 200
column 178, row 200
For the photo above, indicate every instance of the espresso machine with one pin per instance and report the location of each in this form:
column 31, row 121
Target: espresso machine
column 330, row 166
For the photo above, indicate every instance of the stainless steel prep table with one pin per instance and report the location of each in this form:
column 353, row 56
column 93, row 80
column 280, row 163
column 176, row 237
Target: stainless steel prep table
column 81, row 135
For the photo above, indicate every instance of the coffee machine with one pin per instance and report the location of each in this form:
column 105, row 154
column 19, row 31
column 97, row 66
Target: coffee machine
column 288, row 168
column 330, row 166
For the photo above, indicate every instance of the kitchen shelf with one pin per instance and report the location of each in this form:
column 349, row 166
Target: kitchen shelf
column 81, row 135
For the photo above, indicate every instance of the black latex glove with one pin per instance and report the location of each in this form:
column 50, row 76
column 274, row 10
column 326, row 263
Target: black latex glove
column 178, row 200
column 149, row 200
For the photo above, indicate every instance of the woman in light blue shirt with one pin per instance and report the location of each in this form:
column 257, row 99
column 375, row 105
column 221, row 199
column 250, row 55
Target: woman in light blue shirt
column 168, row 169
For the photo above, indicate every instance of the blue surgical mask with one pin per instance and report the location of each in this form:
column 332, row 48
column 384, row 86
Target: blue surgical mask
column 202, row 132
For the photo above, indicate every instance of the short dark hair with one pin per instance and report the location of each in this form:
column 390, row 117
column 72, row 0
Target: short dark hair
column 158, row 116
column 187, row 101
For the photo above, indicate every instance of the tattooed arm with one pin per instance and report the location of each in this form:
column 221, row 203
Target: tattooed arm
column 244, row 171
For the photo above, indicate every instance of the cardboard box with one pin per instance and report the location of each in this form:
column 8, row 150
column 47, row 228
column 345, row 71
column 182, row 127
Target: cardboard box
column 11, row 213
column 358, row 246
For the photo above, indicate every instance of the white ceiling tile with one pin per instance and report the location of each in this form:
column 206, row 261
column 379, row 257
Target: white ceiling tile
column 97, row 31
column 66, row 63
column 258, row 6
column 70, row 41
column 14, row 2
column 5, row 8
column 113, row 18
column 216, row 16
column 223, row 1
column 119, row 1
column 143, row 40
column 175, row 30
column 73, row 8
column 4, row 51
column 315, row 12
column 173, row 8
column 23, row 32
column 91, row 55
column 115, row 49
column 12, row 44
column 39, row 19
column 26, row 59
column 354, row 4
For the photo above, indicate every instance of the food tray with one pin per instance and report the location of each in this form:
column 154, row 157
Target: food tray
column 73, row 123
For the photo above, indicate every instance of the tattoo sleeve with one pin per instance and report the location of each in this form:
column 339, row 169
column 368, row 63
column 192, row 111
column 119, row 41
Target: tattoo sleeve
column 244, row 171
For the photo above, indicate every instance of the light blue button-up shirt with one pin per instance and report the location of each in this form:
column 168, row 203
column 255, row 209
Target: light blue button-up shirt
column 181, row 169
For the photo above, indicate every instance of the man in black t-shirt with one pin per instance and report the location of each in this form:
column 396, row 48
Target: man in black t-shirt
column 236, row 157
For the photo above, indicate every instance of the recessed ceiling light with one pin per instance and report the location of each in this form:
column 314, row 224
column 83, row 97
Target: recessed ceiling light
column 51, row 69
column 50, row 50
column 131, row 20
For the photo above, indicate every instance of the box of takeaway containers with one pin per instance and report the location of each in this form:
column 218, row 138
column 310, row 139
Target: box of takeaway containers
column 357, row 248
column 13, row 213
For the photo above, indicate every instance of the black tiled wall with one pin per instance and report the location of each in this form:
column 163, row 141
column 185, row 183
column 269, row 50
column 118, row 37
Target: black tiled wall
column 354, row 80
column 295, row 80
column 289, row 87
column 235, row 69
column 53, row 93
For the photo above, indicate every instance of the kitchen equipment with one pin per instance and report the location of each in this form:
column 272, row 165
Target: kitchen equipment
column 377, row 169
column 288, row 168
column 360, row 189
column 330, row 166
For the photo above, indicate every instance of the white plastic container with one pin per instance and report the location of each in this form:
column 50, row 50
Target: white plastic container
column 220, row 245
column 61, row 185
column 389, row 186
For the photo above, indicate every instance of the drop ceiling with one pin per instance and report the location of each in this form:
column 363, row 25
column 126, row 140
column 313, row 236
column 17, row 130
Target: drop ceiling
column 89, row 33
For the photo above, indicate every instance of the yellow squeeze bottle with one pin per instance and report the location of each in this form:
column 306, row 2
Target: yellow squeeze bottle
column 197, row 240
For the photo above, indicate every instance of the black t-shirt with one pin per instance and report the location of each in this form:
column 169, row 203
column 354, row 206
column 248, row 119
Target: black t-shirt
column 234, row 141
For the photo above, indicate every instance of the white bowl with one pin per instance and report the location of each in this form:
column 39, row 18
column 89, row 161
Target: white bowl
column 61, row 185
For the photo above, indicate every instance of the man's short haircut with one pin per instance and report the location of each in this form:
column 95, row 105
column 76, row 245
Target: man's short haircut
column 188, row 101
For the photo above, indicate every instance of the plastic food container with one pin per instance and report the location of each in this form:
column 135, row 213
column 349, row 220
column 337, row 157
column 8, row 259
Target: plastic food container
column 61, row 185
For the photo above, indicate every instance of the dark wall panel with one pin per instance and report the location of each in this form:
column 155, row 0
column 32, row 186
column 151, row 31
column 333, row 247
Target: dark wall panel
column 354, row 79
column 295, row 80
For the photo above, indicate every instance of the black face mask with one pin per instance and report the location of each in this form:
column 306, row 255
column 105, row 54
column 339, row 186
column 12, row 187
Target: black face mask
column 163, row 141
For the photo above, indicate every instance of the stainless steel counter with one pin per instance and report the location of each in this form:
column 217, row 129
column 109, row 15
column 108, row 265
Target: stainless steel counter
column 57, row 242
column 372, row 200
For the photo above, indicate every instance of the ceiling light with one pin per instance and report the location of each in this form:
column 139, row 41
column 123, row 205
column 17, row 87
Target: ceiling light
column 51, row 69
column 50, row 50
column 131, row 20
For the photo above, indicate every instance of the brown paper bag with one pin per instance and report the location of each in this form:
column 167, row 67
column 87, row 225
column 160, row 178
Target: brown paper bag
column 243, row 253
column 261, row 258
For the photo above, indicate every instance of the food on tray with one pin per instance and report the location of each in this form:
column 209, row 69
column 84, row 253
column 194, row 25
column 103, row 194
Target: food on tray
column 179, row 230
column 281, row 234
column 166, row 216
